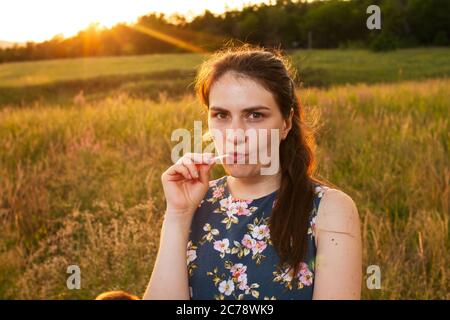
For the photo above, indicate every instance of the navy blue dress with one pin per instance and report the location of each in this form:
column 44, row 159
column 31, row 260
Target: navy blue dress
column 230, row 255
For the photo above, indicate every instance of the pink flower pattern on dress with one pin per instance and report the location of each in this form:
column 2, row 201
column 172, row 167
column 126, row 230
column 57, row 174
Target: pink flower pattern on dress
column 243, row 255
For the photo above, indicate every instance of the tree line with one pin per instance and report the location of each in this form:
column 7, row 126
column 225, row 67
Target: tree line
column 283, row 23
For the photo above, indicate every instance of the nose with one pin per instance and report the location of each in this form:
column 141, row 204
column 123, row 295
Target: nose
column 236, row 134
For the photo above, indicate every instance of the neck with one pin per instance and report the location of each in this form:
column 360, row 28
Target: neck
column 253, row 187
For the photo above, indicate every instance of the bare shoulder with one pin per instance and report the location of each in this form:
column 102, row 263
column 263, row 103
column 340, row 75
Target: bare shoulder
column 337, row 212
column 339, row 247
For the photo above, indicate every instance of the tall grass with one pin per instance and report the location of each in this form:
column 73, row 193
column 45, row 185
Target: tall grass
column 81, row 185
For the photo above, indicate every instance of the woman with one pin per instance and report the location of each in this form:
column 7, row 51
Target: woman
column 248, row 235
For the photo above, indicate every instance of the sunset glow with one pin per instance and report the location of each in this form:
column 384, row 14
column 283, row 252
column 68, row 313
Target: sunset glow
column 30, row 20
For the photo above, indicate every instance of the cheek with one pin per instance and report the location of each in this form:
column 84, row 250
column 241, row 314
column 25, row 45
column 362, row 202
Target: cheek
column 270, row 140
column 272, row 132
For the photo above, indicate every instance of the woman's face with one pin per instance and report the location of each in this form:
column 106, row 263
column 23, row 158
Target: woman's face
column 245, row 121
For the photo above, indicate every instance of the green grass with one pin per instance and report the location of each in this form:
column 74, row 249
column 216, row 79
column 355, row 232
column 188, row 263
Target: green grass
column 59, row 81
column 50, row 71
column 335, row 67
column 81, row 185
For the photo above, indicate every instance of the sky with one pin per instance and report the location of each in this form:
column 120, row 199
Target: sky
column 39, row 20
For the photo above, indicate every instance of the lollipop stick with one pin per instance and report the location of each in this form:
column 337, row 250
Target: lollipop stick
column 219, row 157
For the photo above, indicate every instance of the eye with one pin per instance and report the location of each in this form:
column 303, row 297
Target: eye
column 219, row 115
column 255, row 115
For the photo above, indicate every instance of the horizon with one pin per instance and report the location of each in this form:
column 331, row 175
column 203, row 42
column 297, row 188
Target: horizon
column 68, row 18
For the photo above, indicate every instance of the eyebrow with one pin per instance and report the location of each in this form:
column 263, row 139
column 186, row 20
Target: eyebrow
column 252, row 108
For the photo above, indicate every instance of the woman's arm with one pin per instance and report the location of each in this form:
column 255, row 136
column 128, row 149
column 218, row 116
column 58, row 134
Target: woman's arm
column 169, row 279
column 339, row 250
column 185, row 184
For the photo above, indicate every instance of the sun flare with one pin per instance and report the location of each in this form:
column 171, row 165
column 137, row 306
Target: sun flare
column 30, row 20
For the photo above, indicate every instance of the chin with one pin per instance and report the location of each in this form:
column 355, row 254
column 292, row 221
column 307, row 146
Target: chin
column 242, row 170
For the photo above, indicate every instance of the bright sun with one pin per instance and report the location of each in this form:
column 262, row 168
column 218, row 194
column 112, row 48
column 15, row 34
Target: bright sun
column 31, row 20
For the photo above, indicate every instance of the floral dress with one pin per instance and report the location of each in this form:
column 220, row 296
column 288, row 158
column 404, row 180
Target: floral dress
column 230, row 254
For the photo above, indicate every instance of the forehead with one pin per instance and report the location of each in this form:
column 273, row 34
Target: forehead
column 234, row 91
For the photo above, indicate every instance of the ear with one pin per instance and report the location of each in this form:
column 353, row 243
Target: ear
column 287, row 125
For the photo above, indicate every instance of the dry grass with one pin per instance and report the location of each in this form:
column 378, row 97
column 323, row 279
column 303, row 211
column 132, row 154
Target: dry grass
column 80, row 185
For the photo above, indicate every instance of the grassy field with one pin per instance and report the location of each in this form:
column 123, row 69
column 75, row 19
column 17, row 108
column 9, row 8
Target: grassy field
column 150, row 76
column 80, row 182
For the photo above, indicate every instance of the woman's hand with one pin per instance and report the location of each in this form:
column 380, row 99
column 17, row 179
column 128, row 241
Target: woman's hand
column 186, row 182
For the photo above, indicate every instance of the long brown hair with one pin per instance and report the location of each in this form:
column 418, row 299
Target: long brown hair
column 289, row 219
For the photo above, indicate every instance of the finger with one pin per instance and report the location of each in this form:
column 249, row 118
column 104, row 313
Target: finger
column 178, row 170
column 204, row 172
column 199, row 157
column 189, row 164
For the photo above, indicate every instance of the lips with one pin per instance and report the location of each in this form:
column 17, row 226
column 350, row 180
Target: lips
column 235, row 156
